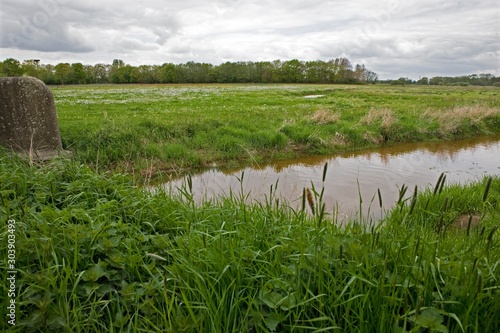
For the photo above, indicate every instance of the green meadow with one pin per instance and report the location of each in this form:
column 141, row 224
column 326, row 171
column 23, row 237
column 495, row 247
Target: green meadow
column 163, row 129
column 95, row 252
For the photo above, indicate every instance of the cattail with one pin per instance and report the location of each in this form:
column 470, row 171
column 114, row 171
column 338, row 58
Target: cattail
column 488, row 241
column 379, row 198
column 310, row 199
column 438, row 183
column 325, row 168
column 487, row 189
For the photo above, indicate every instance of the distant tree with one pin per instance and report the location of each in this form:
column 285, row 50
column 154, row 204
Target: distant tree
column 167, row 73
column 437, row 80
column 423, row 81
column 11, row 67
column 192, row 72
column 276, row 71
column 143, row 74
column 62, row 72
column 78, row 73
column 47, row 74
column 371, row 77
column 399, row 82
column 344, row 70
column 312, row 72
column 31, row 68
column 293, row 71
column 226, row 73
column 359, row 73
column 118, row 63
column 123, row 74
column 265, row 71
column 405, row 80
column 97, row 73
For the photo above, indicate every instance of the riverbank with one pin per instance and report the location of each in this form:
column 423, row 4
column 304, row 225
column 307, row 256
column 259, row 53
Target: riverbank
column 96, row 253
column 153, row 130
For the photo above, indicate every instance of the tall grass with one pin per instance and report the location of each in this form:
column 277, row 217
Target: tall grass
column 97, row 254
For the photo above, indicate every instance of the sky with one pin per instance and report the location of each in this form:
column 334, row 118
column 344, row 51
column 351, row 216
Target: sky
column 393, row 38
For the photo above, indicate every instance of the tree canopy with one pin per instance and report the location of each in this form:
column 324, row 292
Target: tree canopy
column 338, row 70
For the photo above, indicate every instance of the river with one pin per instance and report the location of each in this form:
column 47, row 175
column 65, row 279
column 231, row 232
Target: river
column 350, row 175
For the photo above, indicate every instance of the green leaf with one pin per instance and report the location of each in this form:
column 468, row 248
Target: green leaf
column 289, row 302
column 272, row 322
column 271, row 298
column 431, row 319
column 95, row 272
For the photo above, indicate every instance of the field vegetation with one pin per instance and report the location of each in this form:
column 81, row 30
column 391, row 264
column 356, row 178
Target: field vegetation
column 98, row 254
column 95, row 252
column 152, row 130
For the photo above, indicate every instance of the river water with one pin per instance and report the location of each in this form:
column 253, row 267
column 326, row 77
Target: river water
column 350, row 175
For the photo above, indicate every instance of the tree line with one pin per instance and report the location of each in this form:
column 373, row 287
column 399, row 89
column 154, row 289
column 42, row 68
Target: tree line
column 463, row 80
column 338, row 70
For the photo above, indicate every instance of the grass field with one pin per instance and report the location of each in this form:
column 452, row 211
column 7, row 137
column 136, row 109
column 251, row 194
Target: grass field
column 95, row 252
column 157, row 129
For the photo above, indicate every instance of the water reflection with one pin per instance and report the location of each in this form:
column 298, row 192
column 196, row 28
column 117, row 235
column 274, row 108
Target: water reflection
column 358, row 173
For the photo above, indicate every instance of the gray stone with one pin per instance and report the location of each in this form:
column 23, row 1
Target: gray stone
column 28, row 119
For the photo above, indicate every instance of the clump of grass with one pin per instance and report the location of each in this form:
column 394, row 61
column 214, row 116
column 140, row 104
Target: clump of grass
column 372, row 138
column 339, row 140
column 383, row 117
column 454, row 119
column 452, row 207
column 384, row 120
column 323, row 116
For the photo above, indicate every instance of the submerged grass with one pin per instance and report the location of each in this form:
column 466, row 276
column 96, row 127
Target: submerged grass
column 95, row 253
column 155, row 129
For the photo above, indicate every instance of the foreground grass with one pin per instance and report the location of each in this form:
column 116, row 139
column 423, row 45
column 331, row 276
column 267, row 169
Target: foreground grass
column 96, row 254
column 148, row 130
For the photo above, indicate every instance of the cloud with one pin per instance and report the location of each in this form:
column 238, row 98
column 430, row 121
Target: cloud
column 70, row 26
column 39, row 28
column 391, row 37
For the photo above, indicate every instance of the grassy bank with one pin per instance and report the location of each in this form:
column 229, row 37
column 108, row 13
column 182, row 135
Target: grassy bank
column 96, row 254
column 152, row 129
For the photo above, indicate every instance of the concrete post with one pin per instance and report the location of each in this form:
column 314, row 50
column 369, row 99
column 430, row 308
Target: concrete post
column 28, row 119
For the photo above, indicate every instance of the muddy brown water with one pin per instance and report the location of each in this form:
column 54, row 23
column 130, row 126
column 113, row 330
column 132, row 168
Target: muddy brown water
column 350, row 175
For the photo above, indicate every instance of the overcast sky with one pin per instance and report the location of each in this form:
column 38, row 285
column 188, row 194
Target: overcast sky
column 394, row 38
